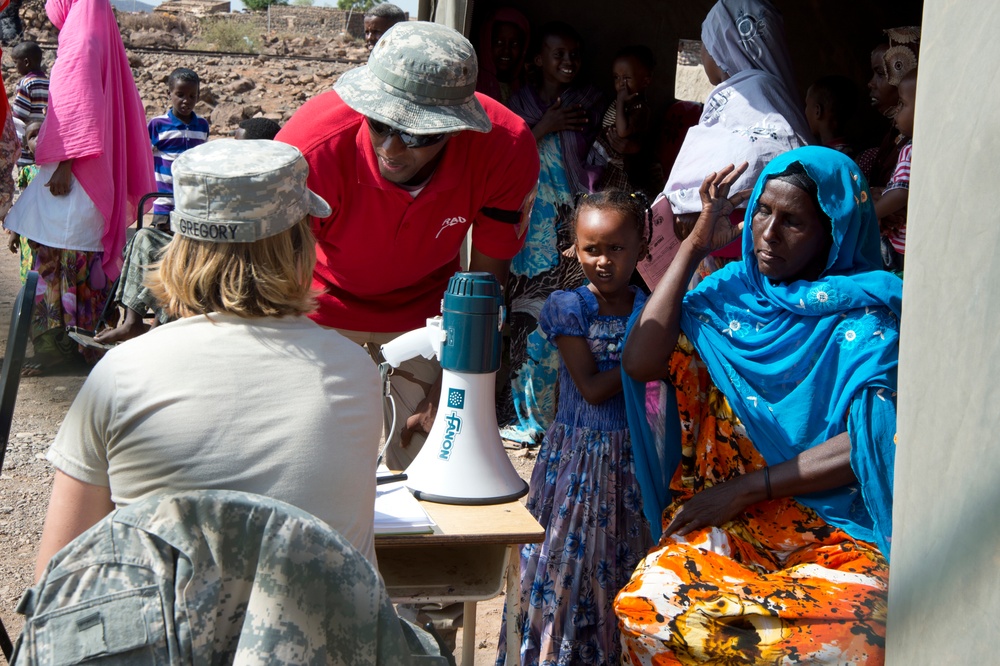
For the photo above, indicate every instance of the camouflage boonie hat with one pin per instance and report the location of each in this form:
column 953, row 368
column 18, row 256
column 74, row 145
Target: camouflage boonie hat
column 230, row 191
column 421, row 79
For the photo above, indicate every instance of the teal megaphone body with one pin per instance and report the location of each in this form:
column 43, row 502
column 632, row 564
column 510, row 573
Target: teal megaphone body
column 462, row 460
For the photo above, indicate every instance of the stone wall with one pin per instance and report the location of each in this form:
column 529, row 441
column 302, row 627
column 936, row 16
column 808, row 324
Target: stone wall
column 319, row 22
column 322, row 23
column 234, row 86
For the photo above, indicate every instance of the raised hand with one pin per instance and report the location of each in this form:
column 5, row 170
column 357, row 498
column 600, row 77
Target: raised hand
column 713, row 229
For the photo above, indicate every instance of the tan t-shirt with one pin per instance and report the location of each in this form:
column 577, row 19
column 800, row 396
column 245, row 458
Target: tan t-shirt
column 277, row 407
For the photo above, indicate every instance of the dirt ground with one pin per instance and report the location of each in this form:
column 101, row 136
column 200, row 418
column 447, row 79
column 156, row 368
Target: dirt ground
column 42, row 403
column 27, row 476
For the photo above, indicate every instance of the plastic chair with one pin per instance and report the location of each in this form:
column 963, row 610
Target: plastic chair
column 111, row 303
column 10, row 379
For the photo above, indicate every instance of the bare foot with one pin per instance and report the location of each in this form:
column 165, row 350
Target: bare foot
column 131, row 327
column 42, row 367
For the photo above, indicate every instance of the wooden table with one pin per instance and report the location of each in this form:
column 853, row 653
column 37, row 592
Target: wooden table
column 465, row 560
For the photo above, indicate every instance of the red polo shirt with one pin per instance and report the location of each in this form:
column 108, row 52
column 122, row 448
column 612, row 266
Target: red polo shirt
column 384, row 258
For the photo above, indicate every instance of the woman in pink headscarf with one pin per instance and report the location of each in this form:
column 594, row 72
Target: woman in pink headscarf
column 95, row 163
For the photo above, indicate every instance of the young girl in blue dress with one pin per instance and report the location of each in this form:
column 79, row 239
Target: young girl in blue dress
column 583, row 488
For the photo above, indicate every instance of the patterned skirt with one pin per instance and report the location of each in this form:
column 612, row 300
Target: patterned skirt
column 776, row 585
column 526, row 405
column 778, row 582
column 72, row 290
column 584, row 492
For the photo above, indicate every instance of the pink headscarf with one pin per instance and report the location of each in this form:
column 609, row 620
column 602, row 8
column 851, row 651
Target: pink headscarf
column 95, row 118
column 488, row 83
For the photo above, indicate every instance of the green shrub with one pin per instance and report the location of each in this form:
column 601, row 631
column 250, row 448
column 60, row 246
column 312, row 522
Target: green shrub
column 261, row 5
column 222, row 34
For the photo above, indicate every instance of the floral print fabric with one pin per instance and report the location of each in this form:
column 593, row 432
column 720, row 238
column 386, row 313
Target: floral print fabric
column 777, row 585
column 10, row 151
column 72, row 290
column 526, row 405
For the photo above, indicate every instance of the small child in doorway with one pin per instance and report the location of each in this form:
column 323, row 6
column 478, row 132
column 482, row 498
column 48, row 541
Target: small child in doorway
column 890, row 205
column 179, row 129
column 831, row 103
column 583, row 487
column 564, row 115
column 624, row 147
column 31, row 99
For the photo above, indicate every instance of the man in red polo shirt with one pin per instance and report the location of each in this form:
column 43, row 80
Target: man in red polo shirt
column 410, row 158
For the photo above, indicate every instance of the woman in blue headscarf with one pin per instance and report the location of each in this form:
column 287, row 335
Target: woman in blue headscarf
column 774, row 482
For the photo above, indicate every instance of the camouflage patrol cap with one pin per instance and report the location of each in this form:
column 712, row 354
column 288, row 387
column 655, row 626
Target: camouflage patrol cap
column 230, row 191
column 421, row 79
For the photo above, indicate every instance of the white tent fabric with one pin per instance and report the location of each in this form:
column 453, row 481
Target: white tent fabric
column 944, row 584
column 453, row 13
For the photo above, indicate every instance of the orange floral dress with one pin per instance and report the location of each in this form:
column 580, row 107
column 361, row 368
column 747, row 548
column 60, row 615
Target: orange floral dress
column 777, row 585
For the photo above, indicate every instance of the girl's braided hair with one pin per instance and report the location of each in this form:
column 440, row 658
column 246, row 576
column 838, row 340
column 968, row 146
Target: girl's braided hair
column 635, row 205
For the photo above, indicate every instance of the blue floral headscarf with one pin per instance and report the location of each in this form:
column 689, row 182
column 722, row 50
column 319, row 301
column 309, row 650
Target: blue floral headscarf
column 804, row 361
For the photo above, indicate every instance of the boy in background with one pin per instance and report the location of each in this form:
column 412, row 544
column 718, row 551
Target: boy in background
column 31, row 99
column 380, row 18
column 624, row 147
column 179, row 129
column 176, row 131
column 256, row 129
column 831, row 103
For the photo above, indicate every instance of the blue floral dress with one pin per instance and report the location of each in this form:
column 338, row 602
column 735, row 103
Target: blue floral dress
column 527, row 402
column 585, row 494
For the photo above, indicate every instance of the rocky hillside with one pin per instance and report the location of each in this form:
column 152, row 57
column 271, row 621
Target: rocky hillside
column 302, row 55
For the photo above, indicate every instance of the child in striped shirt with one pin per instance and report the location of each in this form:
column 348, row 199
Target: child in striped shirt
column 179, row 129
column 31, row 98
column 891, row 205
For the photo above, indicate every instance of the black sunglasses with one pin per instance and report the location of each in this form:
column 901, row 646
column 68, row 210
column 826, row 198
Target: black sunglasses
column 409, row 140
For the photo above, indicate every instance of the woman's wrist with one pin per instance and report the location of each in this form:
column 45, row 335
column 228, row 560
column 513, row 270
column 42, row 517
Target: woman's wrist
column 757, row 486
column 689, row 250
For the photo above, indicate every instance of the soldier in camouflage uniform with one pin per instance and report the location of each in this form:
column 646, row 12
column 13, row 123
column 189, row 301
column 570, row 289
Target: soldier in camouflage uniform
column 242, row 391
column 411, row 158
column 210, row 577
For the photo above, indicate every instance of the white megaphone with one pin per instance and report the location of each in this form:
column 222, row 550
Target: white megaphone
column 462, row 460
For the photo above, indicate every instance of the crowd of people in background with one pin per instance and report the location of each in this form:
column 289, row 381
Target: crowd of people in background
column 678, row 501
column 563, row 340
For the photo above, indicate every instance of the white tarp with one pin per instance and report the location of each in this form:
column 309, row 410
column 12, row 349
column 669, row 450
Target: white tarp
column 944, row 581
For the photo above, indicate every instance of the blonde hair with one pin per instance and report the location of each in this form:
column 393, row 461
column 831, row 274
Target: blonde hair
column 271, row 277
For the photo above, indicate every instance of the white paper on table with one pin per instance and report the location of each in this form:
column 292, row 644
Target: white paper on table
column 662, row 247
column 397, row 511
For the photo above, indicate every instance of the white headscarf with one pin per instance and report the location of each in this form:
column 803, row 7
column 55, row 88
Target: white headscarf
column 748, row 34
column 752, row 116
